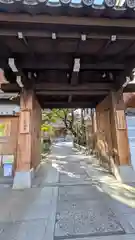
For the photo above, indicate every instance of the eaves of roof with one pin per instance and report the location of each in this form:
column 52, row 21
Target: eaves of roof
column 106, row 8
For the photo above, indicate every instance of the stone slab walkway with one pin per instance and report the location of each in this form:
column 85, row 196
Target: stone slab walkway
column 71, row 198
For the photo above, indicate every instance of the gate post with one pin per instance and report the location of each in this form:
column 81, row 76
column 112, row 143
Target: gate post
column 28, row 152
column 121, row 151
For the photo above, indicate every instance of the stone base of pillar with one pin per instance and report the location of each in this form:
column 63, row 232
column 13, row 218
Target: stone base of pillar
column 23, row 179
column 127, row 174
column 123, row 173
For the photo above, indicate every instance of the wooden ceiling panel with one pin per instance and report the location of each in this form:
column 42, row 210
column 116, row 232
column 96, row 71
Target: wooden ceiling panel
column 15, row 45
column 53, row 76
column 131, row 50
column 41, row 45
column 117, row 47
column 91, row 76
column 90, row 46
column 66, row 45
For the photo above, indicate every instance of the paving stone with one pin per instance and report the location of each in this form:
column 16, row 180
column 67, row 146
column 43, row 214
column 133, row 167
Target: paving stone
column 29, row 230
column 82, row 212
column 85, row 218
column 71, row 177
column 74, row 168
column 121, row 208
column 131, row 219
column 110, row 237
column 79, row 192
column 25, row 205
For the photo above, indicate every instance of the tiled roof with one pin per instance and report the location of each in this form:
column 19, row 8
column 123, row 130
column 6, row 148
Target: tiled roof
column 118, row 7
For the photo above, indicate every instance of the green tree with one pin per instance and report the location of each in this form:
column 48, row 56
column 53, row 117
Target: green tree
column 67, row 116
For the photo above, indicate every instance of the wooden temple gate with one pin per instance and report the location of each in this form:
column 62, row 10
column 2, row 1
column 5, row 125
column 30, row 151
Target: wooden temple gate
column 66, row 53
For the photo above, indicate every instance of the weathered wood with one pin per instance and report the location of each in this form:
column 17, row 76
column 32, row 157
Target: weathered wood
column 76, row 93
column 129, row 88
column 74, row 78
column 63, row 35
column 24, row 139
column 57, row 104
column 112, row 131
column 83, row 86
column 70, row 99
column 65, row 20
column 57, row 86
column 40, row 63
column 28, row 150
column 129, row 100
column 120, row 129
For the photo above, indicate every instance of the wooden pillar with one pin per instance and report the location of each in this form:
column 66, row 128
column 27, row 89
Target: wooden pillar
column 28, row 154
column 94, row 129
column 112, row 137
column 88, row 134
column 124, row 171
column 119, row 130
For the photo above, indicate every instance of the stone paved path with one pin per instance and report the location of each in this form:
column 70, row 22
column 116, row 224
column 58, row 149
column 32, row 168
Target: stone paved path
column 70, row 199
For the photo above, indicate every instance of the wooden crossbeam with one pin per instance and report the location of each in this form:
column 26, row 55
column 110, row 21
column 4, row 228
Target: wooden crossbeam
column 40, row 63
column 56, row 104
column 31, row 63
column 57, row 86
column 44, row 34
column 65, row 20
column 71, row 93
column 129, row 88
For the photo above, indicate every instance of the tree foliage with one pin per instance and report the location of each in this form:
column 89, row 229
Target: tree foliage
column 53, row 116
column 67, row 116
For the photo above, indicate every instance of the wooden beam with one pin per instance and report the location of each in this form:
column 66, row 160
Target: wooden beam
column 22, row 39
column 69, row 99
column 64, row 35
column 67, row 104
column 128, row 72
column 19, row 75
column 74, row 77
column 71, row 93
column 10, row 87
column 7, row 101
column 65, row 20
column 85, row 86
column 58, row 86
column 129, row 88
column 102, row 50
column 124, row 52
column 39, row 63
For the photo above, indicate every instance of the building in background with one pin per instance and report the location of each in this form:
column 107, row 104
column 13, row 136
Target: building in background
column 9, row 121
